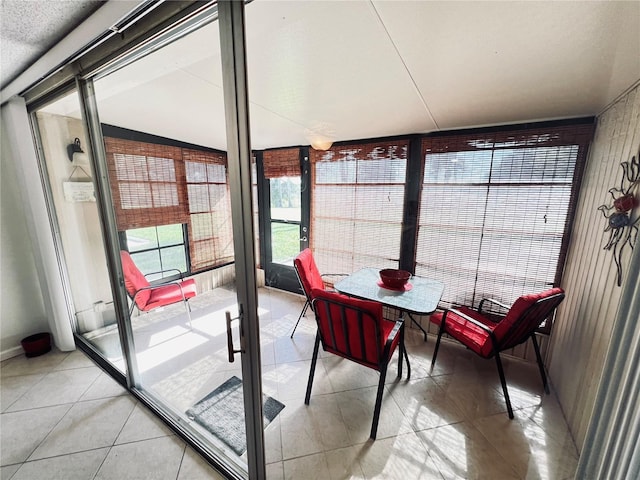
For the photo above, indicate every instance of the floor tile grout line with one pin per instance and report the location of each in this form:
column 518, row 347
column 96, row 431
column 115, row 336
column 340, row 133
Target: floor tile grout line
column 184, row 451
column 102, row 462
column 429, row 375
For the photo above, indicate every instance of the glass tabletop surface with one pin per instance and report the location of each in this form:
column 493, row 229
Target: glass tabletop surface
column 422, row 298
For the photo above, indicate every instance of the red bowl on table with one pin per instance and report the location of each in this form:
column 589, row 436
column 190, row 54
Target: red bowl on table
column 393, row 278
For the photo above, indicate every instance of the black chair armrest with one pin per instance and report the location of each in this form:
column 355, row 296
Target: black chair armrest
column 163, row 271
column 467, row 318
column 330, row 283
column 151, row 287
column 493, row 302
column 392, row 336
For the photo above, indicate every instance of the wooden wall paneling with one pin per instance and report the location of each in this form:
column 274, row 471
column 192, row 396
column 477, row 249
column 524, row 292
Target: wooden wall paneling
column 581, row 334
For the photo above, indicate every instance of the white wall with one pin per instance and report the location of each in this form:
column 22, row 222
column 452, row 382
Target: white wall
column 583, row 328
column 79, row 221
column 21, row 156
column 22, row 310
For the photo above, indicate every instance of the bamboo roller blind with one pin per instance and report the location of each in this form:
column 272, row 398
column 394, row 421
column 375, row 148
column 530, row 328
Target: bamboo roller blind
column 147, row 183
column 155, row 185
column 283, row 162
column 357, row 205
column 495, row 208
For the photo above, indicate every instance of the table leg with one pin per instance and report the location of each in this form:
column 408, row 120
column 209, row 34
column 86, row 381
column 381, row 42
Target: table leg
column 418, row 325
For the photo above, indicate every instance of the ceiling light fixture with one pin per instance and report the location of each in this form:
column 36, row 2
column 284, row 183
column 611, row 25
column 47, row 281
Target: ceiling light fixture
column 321, row 143
column 320, row 136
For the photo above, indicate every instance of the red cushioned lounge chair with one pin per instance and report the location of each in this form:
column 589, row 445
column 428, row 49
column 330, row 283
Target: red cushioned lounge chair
column 356, row 330
column 146, row 297
column 488, row 335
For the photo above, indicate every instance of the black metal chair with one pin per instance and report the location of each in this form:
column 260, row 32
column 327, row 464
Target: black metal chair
column 309, row 278
column 488, row 335
column 356, row 330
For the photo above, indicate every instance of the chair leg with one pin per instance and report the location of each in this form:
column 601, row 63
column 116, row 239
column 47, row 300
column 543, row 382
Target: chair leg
column 313, row 369
column 376, row 410
column 188, row 308
column 304, row 310
column 504, row 385
column 540, row 364
column 435, row 349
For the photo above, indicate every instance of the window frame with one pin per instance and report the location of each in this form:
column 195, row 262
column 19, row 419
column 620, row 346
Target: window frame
column 545, row 134
column 124, row 243
column 181, row 153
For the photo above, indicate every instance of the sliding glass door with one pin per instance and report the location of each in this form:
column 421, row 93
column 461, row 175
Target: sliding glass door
column 156, row 230
column 79, row 234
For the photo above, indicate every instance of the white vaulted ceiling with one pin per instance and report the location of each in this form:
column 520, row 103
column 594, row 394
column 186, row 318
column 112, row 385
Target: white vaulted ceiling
column 362, row 69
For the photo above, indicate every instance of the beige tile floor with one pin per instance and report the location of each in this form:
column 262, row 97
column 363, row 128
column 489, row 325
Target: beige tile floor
column 63, row 418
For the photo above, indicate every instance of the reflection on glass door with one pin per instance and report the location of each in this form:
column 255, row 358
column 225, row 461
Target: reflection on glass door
column 164, row 132
column 71, row 191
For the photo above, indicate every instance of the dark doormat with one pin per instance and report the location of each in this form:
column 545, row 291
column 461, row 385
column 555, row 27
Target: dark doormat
column 222, row 413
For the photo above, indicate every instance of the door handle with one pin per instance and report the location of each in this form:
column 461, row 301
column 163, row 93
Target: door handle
column 230, row 348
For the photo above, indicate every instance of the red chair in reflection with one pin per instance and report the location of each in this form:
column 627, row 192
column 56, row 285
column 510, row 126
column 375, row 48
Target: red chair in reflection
column 356, row 330
column 488, row 334
column 309, row 278
column 146, row 297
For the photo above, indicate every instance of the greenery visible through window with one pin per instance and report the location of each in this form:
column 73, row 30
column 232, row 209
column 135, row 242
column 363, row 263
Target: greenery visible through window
column 285, row 219
column 158, row 249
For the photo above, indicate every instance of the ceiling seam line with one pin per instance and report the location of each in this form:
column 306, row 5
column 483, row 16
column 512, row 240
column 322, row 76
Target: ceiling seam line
column 267, row 109
column 404, row 64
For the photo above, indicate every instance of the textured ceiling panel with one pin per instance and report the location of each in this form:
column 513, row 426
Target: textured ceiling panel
column 30, row 27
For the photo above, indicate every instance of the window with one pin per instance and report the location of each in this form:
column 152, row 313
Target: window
column 210, row 228
column 285, row 219
column 282, row 170
column 147, row 183
column 495, row 208
column 158, row 249
column 156, row 185
column 357, row 205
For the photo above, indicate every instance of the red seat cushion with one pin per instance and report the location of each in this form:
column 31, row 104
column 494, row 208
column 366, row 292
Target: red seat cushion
column 464, row 331
column 478, row 339
column 308, row 271
column 372, row 355
column 134, row 280
column 170, row 293
column 518, row 308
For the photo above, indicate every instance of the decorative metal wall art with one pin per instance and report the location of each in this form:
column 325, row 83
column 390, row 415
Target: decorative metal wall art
column 622, row 215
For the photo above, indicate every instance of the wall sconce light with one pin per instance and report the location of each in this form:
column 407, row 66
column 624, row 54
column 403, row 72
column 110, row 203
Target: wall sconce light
column 76, row 154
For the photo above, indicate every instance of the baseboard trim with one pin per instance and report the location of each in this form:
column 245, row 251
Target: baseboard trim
column 10, row 353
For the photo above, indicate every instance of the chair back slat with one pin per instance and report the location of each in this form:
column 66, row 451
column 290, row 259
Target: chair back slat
column 350, row 327
column 525, row 316
column 345, row 329
column 331, row 339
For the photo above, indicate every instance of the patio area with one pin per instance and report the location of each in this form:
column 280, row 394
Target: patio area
column 448, row 423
